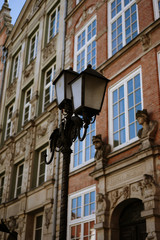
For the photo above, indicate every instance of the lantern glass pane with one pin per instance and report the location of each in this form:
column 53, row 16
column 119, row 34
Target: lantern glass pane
column 60, row 89
column 77, row 93
column 94, row 92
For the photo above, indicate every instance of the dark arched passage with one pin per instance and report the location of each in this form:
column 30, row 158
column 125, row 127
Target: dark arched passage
column 132, row 225
column 126, row 221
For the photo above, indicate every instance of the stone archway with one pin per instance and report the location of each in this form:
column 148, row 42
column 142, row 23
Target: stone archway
column 126, row 221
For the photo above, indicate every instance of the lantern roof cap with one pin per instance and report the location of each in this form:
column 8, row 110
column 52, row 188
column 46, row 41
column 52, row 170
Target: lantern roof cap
column 70, row 70
column 89, row 70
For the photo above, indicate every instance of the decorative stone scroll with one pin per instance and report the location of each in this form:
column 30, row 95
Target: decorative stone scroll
column 123, row 194
column 148, row 131
column 102, row 150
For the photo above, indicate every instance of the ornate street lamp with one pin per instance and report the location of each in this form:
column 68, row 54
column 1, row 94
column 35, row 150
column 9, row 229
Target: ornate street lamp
column 81, row 97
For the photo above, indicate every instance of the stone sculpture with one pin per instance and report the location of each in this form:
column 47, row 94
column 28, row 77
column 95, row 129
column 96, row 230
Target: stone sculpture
column 149, row 128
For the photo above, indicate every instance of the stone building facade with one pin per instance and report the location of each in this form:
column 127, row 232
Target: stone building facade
column 114, row 180
column 29, row 193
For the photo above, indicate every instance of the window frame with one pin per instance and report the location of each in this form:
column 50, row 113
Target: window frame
column 92, row 132
column 115, row 18
column 9, row 121
column 15, row 72
column 2, row 179
column 56, row 10
column 87, row 43
column 26, row 105
column 117, row 85
column 38, row 167
column 16, row 194
column 35, row 222
column 83, row 219
column 49, row 85
column 156, row 9
column 36, row 36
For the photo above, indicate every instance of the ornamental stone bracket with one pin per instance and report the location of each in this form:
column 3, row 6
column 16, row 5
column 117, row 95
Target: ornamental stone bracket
column 102, row 150
column 146, row 41
column 148, row 131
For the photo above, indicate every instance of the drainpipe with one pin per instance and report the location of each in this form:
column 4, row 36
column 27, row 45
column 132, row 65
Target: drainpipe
column 3, row 59
column 58, row 153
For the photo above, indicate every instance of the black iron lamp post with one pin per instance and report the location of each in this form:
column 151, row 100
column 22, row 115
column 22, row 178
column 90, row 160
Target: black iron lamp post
column 81, row 97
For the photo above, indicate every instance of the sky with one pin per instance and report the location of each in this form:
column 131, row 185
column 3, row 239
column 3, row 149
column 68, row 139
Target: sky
column 16, row 6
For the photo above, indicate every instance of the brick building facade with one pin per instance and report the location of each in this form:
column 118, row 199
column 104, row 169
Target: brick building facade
column 127, row 181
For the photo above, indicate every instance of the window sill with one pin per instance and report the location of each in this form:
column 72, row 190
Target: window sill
column 80, row 169
column 123, row 149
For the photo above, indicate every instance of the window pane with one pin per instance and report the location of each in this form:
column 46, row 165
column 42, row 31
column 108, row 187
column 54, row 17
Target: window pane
column 132, row 131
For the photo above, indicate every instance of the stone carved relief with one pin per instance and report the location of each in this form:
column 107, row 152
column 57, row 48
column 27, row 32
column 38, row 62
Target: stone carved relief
column 50, row 49
column 41, row 130
column 85, row 14
column 147, row 187
column 149, row 128
column 146, row 42
column 20, row 147
column 20, row 225
column 101, row 207
column 151, row 236
column 122, row 194
column 12, row 224
column 29, row 70
column 48, row 214
column 11, row 90
column 7, row 155
column 102, row 150
column 34, row 9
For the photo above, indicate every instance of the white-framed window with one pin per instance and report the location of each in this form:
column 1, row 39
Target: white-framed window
column 83, row 151
column 49, row 89
column 16, row 65
column 38, row 227
column 81, row 214
column 53, row 23
column 125, row 99
column 156, row 7
column 2, row 177
column 19, row 177
column 33, row 44
column 122, row 24
column 27, row 106
column 85, row 46
column 9, row 122
column 41, row 170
